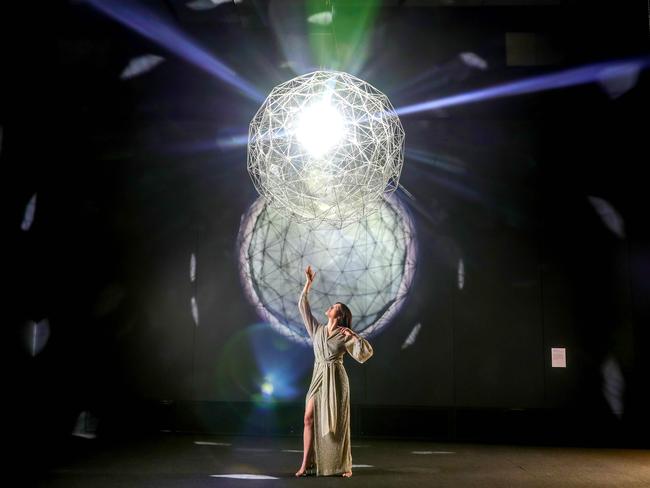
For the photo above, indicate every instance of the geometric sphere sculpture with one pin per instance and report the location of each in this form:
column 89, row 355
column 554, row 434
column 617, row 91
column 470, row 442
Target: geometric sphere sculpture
column 325, row 147
column 368, row 265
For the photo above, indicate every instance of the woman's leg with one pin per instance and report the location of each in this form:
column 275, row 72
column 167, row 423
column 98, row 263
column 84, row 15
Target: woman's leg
column 345, row 413
column 308, row 435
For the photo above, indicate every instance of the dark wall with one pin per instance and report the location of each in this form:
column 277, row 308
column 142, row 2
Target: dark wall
column 130, row 184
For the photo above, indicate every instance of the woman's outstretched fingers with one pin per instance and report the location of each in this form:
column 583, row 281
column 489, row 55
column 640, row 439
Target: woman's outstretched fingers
column 348, row 332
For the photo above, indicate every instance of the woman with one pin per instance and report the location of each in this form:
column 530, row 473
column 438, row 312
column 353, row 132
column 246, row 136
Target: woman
column 327, row 410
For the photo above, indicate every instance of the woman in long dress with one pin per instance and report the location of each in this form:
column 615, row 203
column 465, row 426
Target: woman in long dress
column 326, row 435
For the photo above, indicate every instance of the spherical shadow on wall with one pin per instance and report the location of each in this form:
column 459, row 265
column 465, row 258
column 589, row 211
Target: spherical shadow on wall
column 368, row 265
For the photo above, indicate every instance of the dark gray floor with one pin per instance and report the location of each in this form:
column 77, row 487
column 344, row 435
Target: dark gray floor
column 175, row 460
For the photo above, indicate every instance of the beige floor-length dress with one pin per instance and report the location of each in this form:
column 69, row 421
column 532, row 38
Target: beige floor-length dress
column 332, row 452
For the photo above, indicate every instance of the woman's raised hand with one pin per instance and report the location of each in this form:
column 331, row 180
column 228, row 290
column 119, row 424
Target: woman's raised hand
column 309, row 273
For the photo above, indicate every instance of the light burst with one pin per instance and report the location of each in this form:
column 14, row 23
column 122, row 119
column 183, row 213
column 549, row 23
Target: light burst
column 325, row 147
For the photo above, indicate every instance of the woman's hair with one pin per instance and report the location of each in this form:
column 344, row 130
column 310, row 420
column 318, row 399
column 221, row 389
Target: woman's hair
column 346, row 315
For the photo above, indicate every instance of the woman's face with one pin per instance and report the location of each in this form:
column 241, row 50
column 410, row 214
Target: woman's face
column 334, row 311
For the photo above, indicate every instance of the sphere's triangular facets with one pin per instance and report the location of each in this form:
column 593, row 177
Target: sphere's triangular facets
column 367, row 264
column 324, row 147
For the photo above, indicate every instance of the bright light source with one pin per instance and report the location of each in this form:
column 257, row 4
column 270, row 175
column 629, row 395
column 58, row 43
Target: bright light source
column 320, row 127
column 325, row 147
column 267, row 388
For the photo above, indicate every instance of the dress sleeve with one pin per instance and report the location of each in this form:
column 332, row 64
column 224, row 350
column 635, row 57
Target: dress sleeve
column 359, row 348
column 311, row 324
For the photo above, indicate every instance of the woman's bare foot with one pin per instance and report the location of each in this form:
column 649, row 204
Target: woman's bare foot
column 302, row 471
column 347, row 474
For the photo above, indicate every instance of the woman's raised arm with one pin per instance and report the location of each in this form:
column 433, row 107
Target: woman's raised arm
column 303, row 304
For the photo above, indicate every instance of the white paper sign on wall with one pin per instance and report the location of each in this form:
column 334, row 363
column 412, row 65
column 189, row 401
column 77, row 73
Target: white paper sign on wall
column 558, row 357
